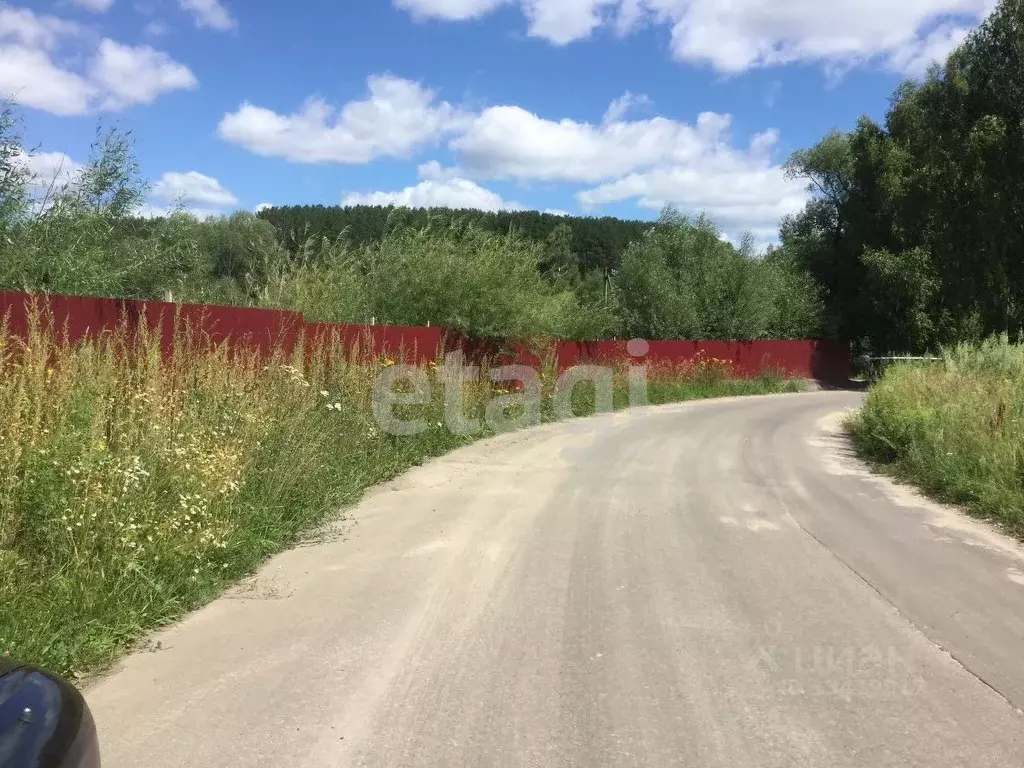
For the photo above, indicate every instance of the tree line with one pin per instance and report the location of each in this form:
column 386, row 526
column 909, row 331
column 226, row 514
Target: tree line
column 517, row 274
column 915, row 232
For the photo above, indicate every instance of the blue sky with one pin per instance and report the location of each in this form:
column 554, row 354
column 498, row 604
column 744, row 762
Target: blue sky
column 585, row 106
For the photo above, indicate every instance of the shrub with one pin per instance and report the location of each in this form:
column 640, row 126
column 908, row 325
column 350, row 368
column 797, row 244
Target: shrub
column 682, row 281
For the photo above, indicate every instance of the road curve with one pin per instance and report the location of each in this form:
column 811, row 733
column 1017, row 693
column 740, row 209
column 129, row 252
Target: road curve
column 709, row 584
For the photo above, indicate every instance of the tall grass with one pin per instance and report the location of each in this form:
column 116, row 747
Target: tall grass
column 955, row 428
column 134, row 487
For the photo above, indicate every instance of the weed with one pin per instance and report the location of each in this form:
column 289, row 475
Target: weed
column 955, row 428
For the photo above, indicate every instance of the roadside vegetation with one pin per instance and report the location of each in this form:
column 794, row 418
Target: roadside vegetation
column 914, row 237
column 955, row 428
column 135, row 487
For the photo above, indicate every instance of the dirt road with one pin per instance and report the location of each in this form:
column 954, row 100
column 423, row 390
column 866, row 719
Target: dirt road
column 711, row 584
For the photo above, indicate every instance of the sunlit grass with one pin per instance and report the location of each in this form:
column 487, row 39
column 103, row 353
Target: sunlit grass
column 954, row 428
column 135, row 486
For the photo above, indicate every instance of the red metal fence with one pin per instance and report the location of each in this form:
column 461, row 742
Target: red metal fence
column 263, row 329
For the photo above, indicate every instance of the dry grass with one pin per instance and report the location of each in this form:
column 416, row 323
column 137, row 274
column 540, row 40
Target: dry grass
column 955, row 428
column 134, row 488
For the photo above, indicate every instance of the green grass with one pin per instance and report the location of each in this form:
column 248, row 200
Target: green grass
column 134, row 489
column 955, row 429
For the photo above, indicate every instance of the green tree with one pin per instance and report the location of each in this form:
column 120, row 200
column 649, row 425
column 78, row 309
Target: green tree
column 684, row 281
column 111, row 184
column 914, row 228
column 14, row 173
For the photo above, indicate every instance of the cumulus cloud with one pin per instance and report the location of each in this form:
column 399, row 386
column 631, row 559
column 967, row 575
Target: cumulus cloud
column 741, row 187
column 757, row 33
column 193, row 188
column 35, row 81
column 443, row 193
column 650, row 162
column 564, row 21
column 914, row 59
column 192, row 192
column 24, row 27
column 40, row 66
column 510, row 142
column 130, row 75
column 434, row 171
column 738, row 194
column 211, row 14
column 48, row 174
column 741, row 35
column 96, row 6
column 397, row 117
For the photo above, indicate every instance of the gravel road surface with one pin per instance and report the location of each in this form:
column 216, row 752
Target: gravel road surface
column 710, row 584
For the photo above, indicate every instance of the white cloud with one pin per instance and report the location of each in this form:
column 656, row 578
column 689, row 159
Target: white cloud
column 563, row 21
column 556, row 212
column 915, row 59
column 559, row 21
column 193, row 187
column 210, row 14
column 743, row 189
column 49, row 174
column 625, row 104
column 746, row 34
column 137, row 75
column 23, row 27
column 32, row 79
column 450, row 10
column 509, row 142
column 195, row 193
column 739, row 195
column 651, row 162
column 434, row 171
column 446, row 193
column 37, row 70
column 398, row 117
column 96, row 6
column 740, row 35
column 263, row 207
